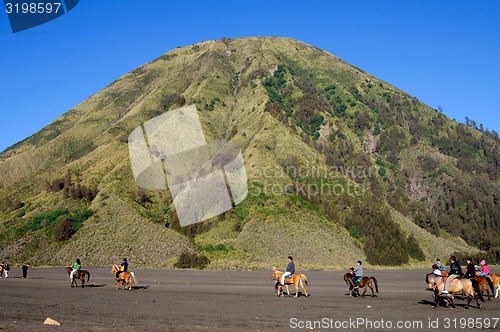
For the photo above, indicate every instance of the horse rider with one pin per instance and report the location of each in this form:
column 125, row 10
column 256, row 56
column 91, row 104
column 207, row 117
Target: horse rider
column 123, row 268
column 455, row 272
column 470, row 271
column 290, row 269
column 485, row 270
column 358, row 272
column 75, row 268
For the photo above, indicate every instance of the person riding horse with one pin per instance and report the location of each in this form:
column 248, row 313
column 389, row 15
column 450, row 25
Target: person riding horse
column 290, row 269
column 75, row 268
column 455, row 272
column 485, row 270
column 470, row 271
column 123, row 268
column 358, row 273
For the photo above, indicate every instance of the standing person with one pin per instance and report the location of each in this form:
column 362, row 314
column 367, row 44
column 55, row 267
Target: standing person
column 26, row 266
column 290, row 269
column 123, row 268
column 75, row 268
column 470, row 271
column 455, row 272
column 6, row 269
column 359, row 273
column 485, row 270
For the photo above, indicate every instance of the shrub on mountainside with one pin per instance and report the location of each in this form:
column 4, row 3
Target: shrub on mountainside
column 70, row 189
column 191, row 260
column 62, row 230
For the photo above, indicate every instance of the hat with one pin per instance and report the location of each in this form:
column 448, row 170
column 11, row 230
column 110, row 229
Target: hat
column 483, row 262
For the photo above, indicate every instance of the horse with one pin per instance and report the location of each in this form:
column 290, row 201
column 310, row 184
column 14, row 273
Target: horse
column 80, row 274
column 363, row 283
column 296, row 279
column 124, row 278
column 468, row 287
column 484, row 283
column 495, row 279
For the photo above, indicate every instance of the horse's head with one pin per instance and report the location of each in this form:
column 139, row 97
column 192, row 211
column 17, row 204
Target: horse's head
column 69, row 269
column 276, row 274
column 348, row 278
column 114, row 269
column 432, row 279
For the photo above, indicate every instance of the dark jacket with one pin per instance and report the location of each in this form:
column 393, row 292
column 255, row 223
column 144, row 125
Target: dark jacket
column 124, row 267
column 455, row 268
column 471, row 271
column 290, row 267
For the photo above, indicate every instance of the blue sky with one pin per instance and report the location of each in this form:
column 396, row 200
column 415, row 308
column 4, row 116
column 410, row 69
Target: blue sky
column 443, row 52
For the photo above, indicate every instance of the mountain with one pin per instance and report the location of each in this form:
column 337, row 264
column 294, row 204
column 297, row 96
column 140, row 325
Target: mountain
column 341, row 166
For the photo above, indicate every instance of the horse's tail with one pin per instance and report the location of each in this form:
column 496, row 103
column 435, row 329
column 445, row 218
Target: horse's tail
column 477, row 289
column 375, row 282
column 303, row 278
column 133, row 278
column 88, row 275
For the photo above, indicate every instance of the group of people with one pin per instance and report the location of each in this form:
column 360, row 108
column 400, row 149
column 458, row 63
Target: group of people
column 5, row 268
column 455, row 270
column 358, row 273
column 78, row 265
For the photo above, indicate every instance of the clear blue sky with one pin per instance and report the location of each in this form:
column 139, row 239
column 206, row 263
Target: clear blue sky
column 443, row 52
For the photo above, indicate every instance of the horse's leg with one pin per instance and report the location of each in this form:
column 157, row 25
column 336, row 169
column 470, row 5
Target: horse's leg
column 287, row 289
column 452, row 302
column 371, row 288
column 83, row 281
column 477, row 302
column 296, row 286
column 364, row 288
column 487, row 291
column 303, row 288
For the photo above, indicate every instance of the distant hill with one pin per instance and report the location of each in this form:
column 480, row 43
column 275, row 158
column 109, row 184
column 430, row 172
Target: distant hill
column 341, row 166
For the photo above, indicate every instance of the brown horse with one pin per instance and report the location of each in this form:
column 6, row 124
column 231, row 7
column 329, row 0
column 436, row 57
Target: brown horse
column 363, row 283
column 484, row 283
column 495, row 279
column 468, row 287
column 80, row 274
column 124, row 278
column 296, row 279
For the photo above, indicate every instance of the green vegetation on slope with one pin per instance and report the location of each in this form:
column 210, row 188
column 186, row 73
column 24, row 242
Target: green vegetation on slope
column 390, row 161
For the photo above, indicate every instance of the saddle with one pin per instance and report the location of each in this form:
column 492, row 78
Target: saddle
column 289, row 276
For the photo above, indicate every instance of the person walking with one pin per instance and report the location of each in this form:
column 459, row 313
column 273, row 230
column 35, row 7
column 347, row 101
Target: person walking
column 25, row 268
